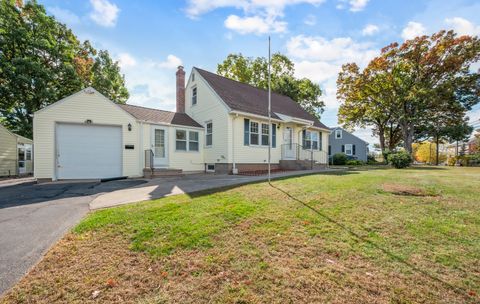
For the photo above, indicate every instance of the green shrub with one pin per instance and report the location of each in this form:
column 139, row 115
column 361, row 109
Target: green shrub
column 371, row 159
column 386, row 154
column 400, row 159
column 354, row 162
column 339, row 159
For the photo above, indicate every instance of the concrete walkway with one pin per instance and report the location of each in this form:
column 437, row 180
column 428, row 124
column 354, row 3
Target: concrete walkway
column 161, row 187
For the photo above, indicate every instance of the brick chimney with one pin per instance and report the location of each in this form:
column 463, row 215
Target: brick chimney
column 180, row 90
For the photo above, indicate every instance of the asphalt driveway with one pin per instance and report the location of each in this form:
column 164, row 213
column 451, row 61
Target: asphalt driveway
column 33, row 217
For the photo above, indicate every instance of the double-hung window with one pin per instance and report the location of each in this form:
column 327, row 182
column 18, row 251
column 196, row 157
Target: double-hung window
column 348, row 149
column 314, row 137
column 265, row 134
column 181, row 140
column 192, row 141
column 194, row 96
column 186, row 141
column 311, row 140
column 338, row 134
column 209, row 134
column 254, row 133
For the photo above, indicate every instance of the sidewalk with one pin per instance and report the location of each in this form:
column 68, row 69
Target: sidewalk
column 161, row 187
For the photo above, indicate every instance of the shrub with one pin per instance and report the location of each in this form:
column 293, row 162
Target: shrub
column 400, row 159
column 339, row 159
column 354, row 162
column 385, row 155
column 451, row 161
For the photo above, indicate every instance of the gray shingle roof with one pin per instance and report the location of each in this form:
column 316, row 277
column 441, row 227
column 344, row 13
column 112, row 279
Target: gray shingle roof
column 246, row 98
column 160, row 116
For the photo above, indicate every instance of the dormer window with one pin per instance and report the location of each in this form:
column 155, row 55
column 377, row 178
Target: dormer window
column 338, row 134
column 194, row 96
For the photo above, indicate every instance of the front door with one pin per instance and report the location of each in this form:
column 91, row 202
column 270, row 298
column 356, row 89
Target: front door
column 288, row 143
column 159, row 146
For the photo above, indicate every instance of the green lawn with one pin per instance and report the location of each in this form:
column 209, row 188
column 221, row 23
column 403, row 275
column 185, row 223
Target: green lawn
column 363, row 236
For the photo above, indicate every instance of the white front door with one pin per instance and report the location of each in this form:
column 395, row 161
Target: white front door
column 160, row 146
column 288, row 143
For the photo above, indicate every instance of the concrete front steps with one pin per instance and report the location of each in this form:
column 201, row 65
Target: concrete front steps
column 162, row 172
column 295, row 164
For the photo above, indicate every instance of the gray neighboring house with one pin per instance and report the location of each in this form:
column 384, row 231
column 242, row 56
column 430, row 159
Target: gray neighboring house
column 341, row 141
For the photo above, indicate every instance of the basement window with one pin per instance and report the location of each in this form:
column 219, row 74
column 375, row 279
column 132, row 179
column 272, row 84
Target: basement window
column 210, row 167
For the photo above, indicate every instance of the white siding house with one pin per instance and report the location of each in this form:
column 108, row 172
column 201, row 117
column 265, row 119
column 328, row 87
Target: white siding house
column 219, row 126
column 15, row 154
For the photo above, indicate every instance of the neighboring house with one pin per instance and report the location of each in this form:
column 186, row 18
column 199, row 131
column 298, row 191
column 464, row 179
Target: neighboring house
column 15, row 154
column 345, row 142
column 220, row 126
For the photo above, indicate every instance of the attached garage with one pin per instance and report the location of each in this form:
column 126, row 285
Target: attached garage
column 88, row 151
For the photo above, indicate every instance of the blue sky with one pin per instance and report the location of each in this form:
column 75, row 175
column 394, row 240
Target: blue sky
column 151, row 38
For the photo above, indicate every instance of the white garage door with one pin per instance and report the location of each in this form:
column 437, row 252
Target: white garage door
column 88, row 151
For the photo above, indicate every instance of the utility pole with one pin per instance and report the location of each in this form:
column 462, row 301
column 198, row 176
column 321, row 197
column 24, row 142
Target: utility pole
column 269, row 113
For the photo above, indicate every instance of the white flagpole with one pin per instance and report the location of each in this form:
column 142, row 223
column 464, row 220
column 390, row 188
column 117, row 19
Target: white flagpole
column 269, row 112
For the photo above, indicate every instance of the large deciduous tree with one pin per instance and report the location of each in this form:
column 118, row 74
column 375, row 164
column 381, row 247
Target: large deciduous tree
column 41, row 61
column 422, row 85
column 254, row 71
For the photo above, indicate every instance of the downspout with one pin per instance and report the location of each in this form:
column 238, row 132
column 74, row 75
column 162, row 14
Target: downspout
column 141, row 150
column 234, row 169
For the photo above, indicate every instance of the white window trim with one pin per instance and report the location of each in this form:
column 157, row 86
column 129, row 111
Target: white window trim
column 206, row 134
column 351, row 149
column 210, row 170
column 259, row 145
column 262, row 134
column 196, row 96
column 187, row 140
column 338, row 132
column 259, row 134
column 309, row 138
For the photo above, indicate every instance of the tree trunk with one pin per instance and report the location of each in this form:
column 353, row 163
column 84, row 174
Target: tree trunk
column 456, row 149
column 407, row 130
column 437, row 148
column 381, row 135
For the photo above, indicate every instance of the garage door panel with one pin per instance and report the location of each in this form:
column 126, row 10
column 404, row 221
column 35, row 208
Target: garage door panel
column 88, row 151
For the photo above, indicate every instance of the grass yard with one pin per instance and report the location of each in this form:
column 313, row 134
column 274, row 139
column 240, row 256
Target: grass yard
column 364, row 236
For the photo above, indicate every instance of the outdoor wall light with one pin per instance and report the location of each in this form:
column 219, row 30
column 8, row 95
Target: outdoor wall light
column 129, row 127
column 88, row 121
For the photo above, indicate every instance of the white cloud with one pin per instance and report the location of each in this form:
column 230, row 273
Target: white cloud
column 196, row 8
column 320, row 60
column 357, row 5
column 126, row 60
column 370, row 29
column 104, row 12
column 310, row 20
column 63, row 15
column 336, row 49
column 172, row 62
column 412, row 30
column 255, row 24
column 260, row 16
column 353, row 5
column 151, row 83
column 463, row 26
